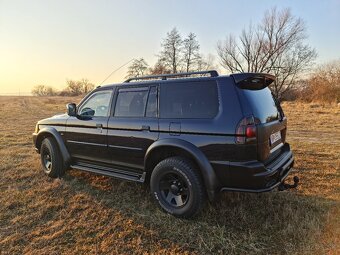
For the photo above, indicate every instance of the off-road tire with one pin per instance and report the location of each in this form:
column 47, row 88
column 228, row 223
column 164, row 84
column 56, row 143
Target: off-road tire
column 51, row 159
column 194, row 193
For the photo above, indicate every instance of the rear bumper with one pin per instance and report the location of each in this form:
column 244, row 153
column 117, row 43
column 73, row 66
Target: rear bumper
column 257, row 177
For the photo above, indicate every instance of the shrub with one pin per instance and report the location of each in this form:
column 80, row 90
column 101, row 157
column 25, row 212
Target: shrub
column 43, row 90
column 323, row 85
column 76, row 88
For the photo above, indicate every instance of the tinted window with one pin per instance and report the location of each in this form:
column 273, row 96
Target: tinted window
column 189, row 100
column 131, row 102
column 97, row 105
column 262, row 104
column 151, row 108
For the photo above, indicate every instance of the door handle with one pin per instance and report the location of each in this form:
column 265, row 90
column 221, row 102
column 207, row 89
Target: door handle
column 98, row 125
column 145, row 127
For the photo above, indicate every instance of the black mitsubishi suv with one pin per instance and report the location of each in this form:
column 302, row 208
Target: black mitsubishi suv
column 188, row 135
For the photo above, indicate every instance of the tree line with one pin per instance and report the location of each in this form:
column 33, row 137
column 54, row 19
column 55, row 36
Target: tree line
column 73, row 88
column 276, row 45
column 322, row 85
column 176, row 56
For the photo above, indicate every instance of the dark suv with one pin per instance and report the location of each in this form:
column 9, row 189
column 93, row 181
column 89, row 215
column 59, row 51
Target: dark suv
column 189, row 135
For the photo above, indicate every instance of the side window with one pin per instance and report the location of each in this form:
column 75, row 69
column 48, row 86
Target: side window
column 151, row 108
column 131, row 102
column 97, row 105
column 189, row 100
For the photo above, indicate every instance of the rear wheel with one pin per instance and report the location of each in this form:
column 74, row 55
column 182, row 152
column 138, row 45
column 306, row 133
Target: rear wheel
column 51, row 159
column 177, row 187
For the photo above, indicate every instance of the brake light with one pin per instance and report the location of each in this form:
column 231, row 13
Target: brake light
column 246, row 130
column 251, row 131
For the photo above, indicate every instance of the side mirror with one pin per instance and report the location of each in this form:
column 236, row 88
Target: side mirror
column 71, row 109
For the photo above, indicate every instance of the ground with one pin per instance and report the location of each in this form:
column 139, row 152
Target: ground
column 84, row 213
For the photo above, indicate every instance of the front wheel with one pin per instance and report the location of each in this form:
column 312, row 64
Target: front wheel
column 51, row 159
column 177, row 187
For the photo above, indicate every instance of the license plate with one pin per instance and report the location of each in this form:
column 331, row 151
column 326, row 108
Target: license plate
column 275, row 137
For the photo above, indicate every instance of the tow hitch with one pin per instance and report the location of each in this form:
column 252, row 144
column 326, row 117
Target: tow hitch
column 283, row 186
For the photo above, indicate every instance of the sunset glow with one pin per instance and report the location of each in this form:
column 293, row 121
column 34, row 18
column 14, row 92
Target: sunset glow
column 48, row 42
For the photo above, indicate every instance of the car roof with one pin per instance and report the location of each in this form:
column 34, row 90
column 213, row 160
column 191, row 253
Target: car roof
column 147, row 82
column 173, row 78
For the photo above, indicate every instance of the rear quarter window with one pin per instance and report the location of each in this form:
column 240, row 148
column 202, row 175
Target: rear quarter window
column 189, row 100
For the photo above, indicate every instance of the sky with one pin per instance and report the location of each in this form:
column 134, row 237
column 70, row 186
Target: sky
column 48, row 42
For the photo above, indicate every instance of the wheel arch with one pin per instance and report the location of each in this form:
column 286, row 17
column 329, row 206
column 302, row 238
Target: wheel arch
column 168, row 147
column 52, row 132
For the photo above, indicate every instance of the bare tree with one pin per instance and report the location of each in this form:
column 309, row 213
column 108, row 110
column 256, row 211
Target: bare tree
column 138, row 68
column 159, row 68
column 206, row 63
column 275, row 46
column 191, row 54
column 86, row 85
column 75, row 88
column 43, row 90
column 170, row 56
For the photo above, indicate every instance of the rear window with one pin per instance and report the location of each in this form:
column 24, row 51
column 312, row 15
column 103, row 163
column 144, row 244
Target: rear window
column 262, row 104
column 189, row 100
column 131, row 102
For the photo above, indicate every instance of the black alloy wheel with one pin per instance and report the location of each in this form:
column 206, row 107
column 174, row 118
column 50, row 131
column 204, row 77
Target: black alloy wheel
column 174, row 189
column 177, row 186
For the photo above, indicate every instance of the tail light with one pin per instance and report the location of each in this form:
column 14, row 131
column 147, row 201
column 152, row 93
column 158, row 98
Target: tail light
column 246, row 130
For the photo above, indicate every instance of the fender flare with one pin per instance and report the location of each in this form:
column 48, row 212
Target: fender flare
column 55, row 134
column 208, row 173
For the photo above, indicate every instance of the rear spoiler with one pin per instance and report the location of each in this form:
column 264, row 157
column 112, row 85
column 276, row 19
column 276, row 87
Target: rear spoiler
column 253, row 81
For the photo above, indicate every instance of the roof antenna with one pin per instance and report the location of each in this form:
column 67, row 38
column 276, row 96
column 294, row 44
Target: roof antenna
column 115, row 71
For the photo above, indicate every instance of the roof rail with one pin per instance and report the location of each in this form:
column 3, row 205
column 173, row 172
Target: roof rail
column 213, row 73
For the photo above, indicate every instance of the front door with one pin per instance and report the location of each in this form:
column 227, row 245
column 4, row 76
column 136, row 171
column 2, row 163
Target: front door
column 86, row 134
column 133, row 127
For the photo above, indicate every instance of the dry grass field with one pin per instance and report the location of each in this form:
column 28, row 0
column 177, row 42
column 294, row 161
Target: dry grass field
column 89, row 214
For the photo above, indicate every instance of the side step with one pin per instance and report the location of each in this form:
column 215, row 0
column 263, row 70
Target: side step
column 108, row 171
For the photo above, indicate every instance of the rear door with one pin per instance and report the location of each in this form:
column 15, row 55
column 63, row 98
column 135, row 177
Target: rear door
column 133, row 126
